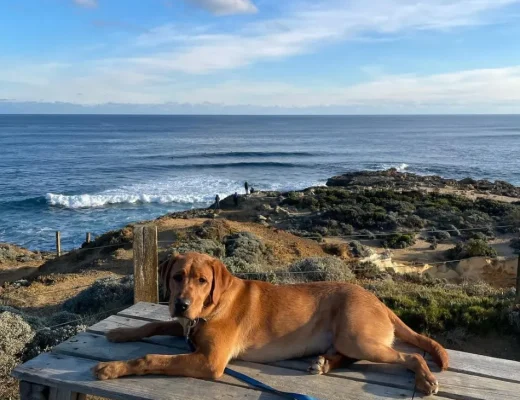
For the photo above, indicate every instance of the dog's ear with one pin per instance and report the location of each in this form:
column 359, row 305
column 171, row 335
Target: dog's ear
column 165, row 269
column 221, row 280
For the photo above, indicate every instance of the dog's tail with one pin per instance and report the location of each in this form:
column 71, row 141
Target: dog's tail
column 403, row 332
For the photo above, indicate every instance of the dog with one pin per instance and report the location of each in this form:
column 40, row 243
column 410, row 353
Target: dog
column 230, row 318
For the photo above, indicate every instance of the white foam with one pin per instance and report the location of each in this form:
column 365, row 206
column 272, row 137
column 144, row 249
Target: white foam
column 183, row 191
column 187, row 191
column 402, row 167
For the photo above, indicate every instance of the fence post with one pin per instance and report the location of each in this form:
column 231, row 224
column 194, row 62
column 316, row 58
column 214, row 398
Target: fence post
column 58, row 243
column 146, row 282
column 518, row 280
column 87, row 237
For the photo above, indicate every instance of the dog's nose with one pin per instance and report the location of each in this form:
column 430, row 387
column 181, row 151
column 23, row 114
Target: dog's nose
column 181, row 305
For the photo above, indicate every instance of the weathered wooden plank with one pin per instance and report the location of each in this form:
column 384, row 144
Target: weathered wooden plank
column 476, row 364
column 87, row 345
column 74, row 374
column 147, row 311
column 455, row 385
column 385, row 374
column 32, row 391
column 115, row 321
column 65, row 394
column 146, row 279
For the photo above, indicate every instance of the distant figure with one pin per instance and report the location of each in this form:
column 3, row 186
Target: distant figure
column 246, row 186
column 217, row 202
column 235, row 199
column 252, row 190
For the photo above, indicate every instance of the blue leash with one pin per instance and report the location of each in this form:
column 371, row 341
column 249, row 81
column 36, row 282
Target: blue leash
column 253, row 382
column 263, row 386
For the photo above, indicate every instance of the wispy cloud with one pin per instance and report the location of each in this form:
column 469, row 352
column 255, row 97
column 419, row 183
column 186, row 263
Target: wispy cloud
column 160, row 60
column 86, row 3
column 303, row 31
column 226, row 7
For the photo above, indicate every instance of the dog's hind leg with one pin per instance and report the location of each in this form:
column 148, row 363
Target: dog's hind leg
column 370, row 350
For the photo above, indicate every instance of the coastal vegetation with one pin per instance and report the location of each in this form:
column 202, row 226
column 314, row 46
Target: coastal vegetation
column 338, row 233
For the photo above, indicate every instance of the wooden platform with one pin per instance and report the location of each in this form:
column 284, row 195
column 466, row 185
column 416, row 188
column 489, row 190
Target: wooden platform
column 65, row 372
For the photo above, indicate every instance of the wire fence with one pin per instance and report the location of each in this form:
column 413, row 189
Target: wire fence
column 318, row 236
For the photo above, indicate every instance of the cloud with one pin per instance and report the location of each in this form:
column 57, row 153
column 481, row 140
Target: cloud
column 303, row 30
column 86, row 3
column 478, row 90
column 162, row 64
column 226, row 7
column 469, row 88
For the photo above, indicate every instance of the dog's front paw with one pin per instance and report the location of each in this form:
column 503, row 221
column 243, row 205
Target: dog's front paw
column 109, row 370
column 121, row 335
column 319, row 366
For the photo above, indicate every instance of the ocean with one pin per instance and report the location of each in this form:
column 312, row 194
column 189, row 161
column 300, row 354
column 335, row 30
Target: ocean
column 93, row 173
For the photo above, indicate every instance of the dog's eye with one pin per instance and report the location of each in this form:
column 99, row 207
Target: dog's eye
column 177, row 278
column 202, row 280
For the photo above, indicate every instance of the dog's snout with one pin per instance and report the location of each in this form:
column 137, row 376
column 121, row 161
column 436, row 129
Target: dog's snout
column 181, row 305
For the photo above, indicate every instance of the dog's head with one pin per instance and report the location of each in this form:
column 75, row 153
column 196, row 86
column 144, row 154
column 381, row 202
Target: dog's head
column 195, row 283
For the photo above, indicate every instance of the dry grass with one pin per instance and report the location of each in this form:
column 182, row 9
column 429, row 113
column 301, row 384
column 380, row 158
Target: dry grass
column 52, row 290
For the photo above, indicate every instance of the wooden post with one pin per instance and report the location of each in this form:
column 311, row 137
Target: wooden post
column 58, row 243
column 518, row 280
column 87, row 238
column 146, row 280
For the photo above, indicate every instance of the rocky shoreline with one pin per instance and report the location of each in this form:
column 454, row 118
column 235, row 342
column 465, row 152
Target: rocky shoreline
column 393, row 179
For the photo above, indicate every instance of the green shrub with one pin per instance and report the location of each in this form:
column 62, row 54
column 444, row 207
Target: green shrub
column 399, row 241
column 440, row 307
column 321, row 269
column 414, row 222
column 358, row 250
column 245, row 246
column 205, row 246
column 472, row 248
column 103, row 295
column 479, row 236
column 440, row 235
column 346, row 229
column 15, row 333
column 246, row 270
column 365, row 270
column 34, row 322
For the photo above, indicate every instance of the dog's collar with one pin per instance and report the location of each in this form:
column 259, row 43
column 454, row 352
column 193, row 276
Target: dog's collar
column 189, row 326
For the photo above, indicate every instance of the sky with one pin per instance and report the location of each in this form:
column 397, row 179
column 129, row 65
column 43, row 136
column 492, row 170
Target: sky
column 260, row 56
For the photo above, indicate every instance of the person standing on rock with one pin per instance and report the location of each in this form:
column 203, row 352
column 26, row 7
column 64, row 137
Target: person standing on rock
column 246, row 186
column 235, row 199
column 217, row 202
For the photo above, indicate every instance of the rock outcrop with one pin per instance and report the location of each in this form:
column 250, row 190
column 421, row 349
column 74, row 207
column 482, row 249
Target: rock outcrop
column 393, row 179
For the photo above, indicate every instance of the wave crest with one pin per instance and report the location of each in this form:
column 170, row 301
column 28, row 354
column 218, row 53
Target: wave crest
column 101, row 200
column 402, row 167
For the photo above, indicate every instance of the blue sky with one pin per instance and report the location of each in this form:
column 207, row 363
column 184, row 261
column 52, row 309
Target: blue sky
column 260, row 56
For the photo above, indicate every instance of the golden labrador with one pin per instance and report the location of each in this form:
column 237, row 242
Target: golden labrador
column 232, row 318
